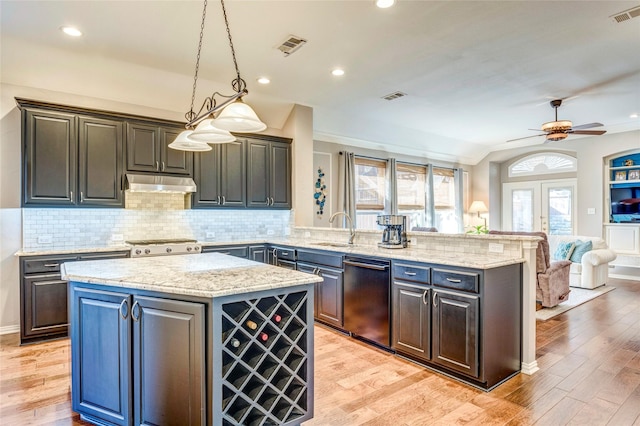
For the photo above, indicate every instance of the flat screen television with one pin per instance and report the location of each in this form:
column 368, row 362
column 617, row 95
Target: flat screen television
column 625, row 203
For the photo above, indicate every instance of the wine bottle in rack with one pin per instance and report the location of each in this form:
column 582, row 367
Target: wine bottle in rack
column 234, row 342
column 263, row 336
column 277, row 318
column 251, row 324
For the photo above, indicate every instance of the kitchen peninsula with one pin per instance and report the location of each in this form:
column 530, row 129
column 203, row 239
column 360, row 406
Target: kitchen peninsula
column 206, row 339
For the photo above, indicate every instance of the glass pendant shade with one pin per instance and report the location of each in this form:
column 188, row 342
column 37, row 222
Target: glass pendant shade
column 207, row 132
column 239, row 117
column 184, row 143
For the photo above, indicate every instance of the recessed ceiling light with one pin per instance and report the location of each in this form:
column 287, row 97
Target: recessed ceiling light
column 337, row 72
column 383, row 4
column 74, row 32
column 264, row 80
column 634, row 115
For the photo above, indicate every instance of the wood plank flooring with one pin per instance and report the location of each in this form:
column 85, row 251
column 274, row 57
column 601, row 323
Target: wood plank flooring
column 589, row 374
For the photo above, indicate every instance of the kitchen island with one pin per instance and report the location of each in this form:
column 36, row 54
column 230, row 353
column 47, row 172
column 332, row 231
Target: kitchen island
column 206, row 339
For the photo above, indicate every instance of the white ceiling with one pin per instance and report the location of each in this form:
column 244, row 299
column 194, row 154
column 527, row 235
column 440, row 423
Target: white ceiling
column 476, row 73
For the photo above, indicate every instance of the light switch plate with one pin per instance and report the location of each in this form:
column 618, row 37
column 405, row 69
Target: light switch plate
column 591, row 210
column 496, row 248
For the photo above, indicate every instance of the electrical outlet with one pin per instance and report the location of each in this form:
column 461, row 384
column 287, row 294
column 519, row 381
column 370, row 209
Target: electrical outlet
column 413, row 242
column 496, row 248
column 307, row 234
column 45, row 239
column 210, row 234
column 270, row 232
column 117, row 237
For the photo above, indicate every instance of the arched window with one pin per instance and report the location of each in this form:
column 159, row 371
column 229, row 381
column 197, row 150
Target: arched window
column 543, row 163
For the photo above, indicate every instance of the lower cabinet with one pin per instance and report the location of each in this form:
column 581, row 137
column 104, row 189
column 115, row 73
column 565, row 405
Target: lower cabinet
column 137, row 357
column 328, row 294
column 259, row 253
column 412, row 319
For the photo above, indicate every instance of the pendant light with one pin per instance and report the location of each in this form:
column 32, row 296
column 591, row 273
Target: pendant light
column 234, row 115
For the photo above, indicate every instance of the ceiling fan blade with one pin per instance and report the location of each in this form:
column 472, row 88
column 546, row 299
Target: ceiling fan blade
column 587, row 132
column 587, row 126
column 526, row 137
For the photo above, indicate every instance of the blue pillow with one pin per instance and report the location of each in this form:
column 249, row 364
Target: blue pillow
column 580, row 249
column 563, row 251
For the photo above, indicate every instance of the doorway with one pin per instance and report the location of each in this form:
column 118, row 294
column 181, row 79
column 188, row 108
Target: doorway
column 540, row 206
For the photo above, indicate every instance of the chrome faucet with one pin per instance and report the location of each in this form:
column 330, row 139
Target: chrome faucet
column 351, row 229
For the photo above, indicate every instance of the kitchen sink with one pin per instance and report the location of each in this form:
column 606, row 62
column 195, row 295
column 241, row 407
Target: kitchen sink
column 330, row 244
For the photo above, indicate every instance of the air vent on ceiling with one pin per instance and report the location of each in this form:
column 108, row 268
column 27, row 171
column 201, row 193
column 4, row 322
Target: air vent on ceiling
column 291, row 44
column 626, row 15
column 394, row 95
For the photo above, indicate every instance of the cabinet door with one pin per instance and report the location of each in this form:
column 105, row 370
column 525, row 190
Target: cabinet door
column 101, row 354
column 206, row 174
column 45, row 306
column 233, row 174
column 456, row 331
column 169, row 362
column 280, row 190
column 411, row 319
column 258, row 254
column 330, row 296
column 142, row 148
column 258, row 165
column 100, row 162
column 174, row 161
column 50, row 144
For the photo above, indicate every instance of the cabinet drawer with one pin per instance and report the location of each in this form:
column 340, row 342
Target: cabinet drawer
column 105, row 255
column 465, row 281
column 285, row 253
column 237, row 251
column 407, row 272
column 39, row 265
column 320, row 258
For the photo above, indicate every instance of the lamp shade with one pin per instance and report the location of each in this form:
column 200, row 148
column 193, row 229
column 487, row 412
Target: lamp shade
column 478, row 207
column 183, row 142
column 239, row 117
column 207, row 132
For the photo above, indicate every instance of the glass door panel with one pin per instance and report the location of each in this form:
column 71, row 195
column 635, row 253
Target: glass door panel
column 557, row 204
column 522, row 210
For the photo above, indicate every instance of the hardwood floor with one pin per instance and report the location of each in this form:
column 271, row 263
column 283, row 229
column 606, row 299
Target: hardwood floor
column 589, row 375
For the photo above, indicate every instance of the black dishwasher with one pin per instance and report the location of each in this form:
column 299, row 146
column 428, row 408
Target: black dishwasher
column 366, row 299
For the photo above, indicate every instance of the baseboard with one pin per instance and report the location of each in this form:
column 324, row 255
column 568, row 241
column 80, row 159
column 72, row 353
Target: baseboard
column 8, row 329
column 623, row 277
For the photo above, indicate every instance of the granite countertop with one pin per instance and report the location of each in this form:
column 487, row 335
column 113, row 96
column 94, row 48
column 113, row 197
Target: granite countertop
column 203, row 275
column 68, row 250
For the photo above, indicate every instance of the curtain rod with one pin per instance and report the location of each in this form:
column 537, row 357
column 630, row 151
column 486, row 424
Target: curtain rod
column 406, row 162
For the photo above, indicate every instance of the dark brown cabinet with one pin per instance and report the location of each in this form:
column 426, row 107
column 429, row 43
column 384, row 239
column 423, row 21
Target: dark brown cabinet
column 268, row 173
column 50, row 165
column 412, row 319
column 148, row 150
column 43, row 294
column 220, row 176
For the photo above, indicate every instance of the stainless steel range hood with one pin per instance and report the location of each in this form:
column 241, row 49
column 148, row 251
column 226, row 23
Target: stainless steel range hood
column 156, row 183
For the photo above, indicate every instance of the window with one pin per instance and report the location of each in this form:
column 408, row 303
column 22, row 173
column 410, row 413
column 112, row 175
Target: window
column 444, row 199
column 371, row 188
column 411, row 192
column 543, row 163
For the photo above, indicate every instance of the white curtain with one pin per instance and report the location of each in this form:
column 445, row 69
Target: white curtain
column 347, row 187
column 393, row 186
column 458, row 178
column 431, row 205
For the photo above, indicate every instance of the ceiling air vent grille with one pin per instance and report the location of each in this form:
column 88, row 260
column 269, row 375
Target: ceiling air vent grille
column 394, row 95
column 291, row 44
column 626, row 15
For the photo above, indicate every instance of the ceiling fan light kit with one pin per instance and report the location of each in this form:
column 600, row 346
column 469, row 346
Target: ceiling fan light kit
column 231, row 117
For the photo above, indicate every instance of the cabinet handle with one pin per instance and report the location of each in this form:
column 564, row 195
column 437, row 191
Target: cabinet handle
column 218, row 200
column 157, row 165
column 81, row 197
column 51, row 265
column 424, row 298
column 162, row 168
column 133, row 311
column 124, row 314
column 453, row 280
column 271, row 201
column 267, row 202
column 435, row 300
column 71, row 195
column 274, row 253
column 224, row 200
column 318, row 272
column 411, row 274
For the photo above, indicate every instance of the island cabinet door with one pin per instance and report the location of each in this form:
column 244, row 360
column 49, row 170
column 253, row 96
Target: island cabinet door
column 169, row 362
column 412, row 319
column 455, row 333
column 101, row 355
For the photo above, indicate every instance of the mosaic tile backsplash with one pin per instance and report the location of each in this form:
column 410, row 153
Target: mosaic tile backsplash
column 79, row 228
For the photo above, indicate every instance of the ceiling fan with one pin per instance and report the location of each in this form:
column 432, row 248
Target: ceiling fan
column 559, row 129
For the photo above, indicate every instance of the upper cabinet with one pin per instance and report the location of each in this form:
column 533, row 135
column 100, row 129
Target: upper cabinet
column 148, row 150
column 220, row 176
column 71, row 160
column 268, row 173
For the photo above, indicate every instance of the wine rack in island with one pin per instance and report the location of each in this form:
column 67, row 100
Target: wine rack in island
column 266, row 367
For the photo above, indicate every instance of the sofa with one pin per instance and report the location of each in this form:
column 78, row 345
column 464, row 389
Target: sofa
column 592, row 269
column 552, row 277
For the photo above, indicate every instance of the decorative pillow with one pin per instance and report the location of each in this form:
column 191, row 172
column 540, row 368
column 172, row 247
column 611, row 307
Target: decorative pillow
column 580, row 249
column 563, row 251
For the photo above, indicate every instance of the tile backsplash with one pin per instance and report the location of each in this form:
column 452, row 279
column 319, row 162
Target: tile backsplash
column 78, row 228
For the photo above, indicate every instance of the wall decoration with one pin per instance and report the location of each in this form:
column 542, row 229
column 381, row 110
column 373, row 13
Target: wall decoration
column 320, row 192
column 628, row 162
column 634, row 175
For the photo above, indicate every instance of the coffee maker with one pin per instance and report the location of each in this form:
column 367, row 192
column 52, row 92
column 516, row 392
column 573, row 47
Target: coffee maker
column 394, row 234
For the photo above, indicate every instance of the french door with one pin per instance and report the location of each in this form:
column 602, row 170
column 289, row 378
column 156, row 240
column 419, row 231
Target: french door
column 533, row 206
